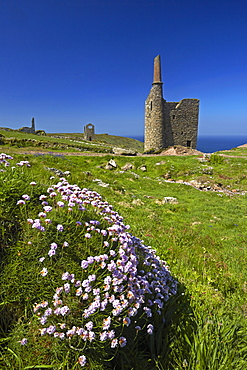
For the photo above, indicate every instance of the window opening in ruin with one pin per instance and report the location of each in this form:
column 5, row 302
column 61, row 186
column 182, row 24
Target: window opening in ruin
column 182, row 133
column 173, row 116
column 188, row 143
column 90, row 139
column 151, row 105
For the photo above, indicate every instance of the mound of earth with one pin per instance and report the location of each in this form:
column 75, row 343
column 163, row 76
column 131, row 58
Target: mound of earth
column 180, row 150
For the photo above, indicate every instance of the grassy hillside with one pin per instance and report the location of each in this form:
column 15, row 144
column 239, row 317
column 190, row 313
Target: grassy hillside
column 200, row 324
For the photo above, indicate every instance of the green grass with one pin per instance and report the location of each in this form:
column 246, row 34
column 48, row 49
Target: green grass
column 202, row 238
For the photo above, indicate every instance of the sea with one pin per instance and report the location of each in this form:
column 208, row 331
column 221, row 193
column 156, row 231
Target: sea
column 211, row 144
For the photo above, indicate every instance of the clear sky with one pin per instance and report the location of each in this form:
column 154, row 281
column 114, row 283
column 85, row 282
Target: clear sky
column 72, row 62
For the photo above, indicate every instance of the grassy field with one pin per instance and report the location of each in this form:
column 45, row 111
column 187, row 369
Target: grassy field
column 202, row 238
column 75, row 142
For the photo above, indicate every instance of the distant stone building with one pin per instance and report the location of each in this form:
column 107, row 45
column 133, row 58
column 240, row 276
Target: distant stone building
column 169, row 123
column 89, row 132
column 29, row 130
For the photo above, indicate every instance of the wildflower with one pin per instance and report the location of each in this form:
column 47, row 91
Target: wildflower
column 91, row 277
column 65, row 275
column 78, row 223
column 114, row 343
column 88, row 236
column 67, row 288
column 82, row 360
column 23, row 341
column 91, row 336
column 26, row 197
column 84, row 264
column 126, row 321
column 44, row 304
column 78, row 292
column 89, row 325
column 53, row 194
column 48, row 312
column 30, row 221
column 47, row 221
column 51, row 252
column 42, row 197
column 53, row 246
column 65, row 244
column 106, row 323
column 65, row 310
column 59, row 227
column 103, row 336
column 33, row 183
column 51, row 329
column 150, row 329
column 44, row 272
column 20, row 202
column 111, row 334
column 90, row 259
column 122, row 341
column 42, row 214
column 47, row 208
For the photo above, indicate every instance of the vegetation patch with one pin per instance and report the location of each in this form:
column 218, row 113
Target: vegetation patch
column 77, row 281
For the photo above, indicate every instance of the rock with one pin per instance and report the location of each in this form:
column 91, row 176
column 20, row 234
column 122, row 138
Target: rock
column 167, row 175
column 137, row 202
column 108, row 167
column 143, row 168
column 208, row 170
column 111, row 165
column 128, row 166
column 103, row 184
column 121, row 151
column 170, row 200
column 159, row 163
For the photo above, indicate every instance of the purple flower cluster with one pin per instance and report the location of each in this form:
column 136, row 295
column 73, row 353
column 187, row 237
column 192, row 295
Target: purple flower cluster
column 127, row 284
column 4, row 159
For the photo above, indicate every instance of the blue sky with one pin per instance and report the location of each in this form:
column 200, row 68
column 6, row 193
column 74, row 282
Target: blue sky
column 71, row 62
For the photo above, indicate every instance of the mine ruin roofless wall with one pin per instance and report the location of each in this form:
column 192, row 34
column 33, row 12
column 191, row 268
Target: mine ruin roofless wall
column 169, row 123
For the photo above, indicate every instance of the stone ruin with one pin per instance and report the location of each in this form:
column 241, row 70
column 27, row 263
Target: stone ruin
column 89, row 132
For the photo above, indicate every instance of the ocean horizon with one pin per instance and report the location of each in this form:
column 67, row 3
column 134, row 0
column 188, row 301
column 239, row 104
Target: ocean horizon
column 213, row 143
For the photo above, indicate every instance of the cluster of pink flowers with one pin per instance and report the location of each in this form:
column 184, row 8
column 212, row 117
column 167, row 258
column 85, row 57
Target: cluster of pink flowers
column 4, row 158
column 130, row 283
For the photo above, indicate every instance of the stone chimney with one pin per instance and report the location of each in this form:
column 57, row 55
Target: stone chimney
column 157, row 70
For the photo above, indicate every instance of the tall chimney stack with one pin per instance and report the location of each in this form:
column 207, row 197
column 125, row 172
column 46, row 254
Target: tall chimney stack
column 157, row 70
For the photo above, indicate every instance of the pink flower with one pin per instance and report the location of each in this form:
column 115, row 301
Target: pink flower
column 23, row 341
column 20, row 202
column 122, row 341
column 44, row 272
column 82, row 360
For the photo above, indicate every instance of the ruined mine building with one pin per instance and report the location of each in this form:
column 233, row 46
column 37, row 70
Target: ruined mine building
column 169, row 123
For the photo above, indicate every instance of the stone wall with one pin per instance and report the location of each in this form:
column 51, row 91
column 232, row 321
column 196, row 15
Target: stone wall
column 154, row 119
column 181, row 123
column 89, row 132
